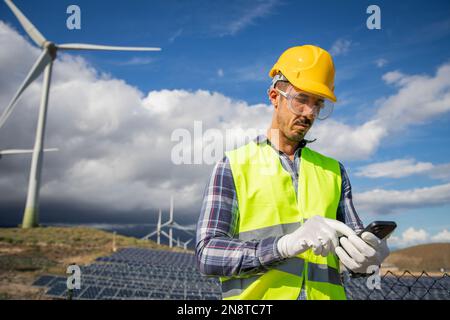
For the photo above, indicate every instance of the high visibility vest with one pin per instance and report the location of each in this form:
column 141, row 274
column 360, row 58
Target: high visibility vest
column 268, row 206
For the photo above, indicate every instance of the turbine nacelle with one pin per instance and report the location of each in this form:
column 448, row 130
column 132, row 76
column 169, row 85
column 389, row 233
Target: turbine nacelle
column 51, row 48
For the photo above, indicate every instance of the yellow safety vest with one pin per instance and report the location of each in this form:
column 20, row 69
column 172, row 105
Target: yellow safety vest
column 268, row 206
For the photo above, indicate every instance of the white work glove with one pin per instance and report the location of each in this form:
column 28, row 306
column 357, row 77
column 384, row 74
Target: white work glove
column 362, row 252
column 318, row 233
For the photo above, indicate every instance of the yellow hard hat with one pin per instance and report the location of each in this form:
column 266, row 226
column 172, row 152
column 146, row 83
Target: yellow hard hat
column 308, row 68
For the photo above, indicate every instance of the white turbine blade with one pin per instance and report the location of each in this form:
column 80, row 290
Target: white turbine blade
column 34, row 34
column 150, row 235
column 190, row 227
column 21, row 151
column 165, row 234
column 14, row 151
column 35, row 71
column 85, row 46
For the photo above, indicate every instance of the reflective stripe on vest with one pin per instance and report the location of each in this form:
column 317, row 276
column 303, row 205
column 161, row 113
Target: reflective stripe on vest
column 268, row 207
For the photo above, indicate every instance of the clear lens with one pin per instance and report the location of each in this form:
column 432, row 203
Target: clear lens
column 302, row 103
column 326, row 110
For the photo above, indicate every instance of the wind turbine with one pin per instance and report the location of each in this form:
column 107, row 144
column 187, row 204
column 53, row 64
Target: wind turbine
column 171, row 224
column 44, row 64
column 159, row 227
column 184, row 246
column 186, row 243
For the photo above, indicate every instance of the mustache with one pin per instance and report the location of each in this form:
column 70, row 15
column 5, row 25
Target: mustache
column 303, row 121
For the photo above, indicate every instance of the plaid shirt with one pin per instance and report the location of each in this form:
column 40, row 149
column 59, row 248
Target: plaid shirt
column 218, row 250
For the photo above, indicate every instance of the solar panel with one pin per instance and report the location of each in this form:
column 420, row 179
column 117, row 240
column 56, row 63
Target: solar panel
column 43, row 281
column 175, row 296
column 91, row 292
column 107, row 293
column 57, row 290
column 157, row 295
column 125, row 293
column 136, row 273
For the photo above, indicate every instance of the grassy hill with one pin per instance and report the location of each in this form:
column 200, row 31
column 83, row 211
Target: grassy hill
column 429, row 257
column 27, row 253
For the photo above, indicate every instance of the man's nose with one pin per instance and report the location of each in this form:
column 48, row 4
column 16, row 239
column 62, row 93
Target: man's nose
column 309, row 108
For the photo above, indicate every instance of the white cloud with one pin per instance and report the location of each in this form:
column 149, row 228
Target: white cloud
column 409, row 237
column 441, row 171
column 220, row 73
column 420, row 98
column 399, row 168
column 443, row 236
column 392, row 77
column 340, row 47
column 394, row 169
column 382, row 201
column 412, row 236
column 247, row 16
column 175, row 35
column 137, row 61
column 381, row 62
column 344, row 141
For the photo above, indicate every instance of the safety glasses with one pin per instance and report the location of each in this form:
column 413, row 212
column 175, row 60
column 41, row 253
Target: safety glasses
column 301, row 103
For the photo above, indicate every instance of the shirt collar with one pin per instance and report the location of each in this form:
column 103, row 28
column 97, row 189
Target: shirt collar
column 262, row 138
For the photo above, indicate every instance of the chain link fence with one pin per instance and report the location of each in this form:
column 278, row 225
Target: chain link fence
column 405, row 286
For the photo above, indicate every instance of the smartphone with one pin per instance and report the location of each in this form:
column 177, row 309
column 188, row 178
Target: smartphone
column 380, row 228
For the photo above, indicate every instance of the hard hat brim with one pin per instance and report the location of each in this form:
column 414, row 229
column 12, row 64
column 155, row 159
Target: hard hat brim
column 315, row 88
column 307, row 85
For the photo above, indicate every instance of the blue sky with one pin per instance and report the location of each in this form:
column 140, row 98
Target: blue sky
column 229, row 47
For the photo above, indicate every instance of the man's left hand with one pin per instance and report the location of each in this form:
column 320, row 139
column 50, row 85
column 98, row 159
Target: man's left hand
column 359, row 253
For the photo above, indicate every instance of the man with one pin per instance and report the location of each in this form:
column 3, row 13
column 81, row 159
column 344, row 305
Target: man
column 277, row 216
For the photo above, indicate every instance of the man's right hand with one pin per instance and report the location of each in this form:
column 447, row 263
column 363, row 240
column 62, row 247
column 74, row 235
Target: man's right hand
column 318, row 233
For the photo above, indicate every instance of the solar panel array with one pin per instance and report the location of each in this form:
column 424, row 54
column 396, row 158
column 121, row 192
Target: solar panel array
column 135, row 273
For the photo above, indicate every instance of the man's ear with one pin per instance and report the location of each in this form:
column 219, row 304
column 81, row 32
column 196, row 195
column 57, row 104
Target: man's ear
column 273, row 97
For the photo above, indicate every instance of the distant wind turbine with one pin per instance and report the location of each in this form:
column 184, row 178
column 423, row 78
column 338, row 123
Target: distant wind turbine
column 171, row 224
column 184, row 246
column 43, row 64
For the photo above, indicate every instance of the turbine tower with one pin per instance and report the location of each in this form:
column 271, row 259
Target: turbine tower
column 158, row 228
column 44, row 64
column 170, row 223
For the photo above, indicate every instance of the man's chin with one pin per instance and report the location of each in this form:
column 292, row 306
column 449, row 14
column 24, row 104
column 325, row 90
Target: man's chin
column 296, row 136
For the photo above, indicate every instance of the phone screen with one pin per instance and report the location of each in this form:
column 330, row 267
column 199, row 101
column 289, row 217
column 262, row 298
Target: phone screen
column 381, row 228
